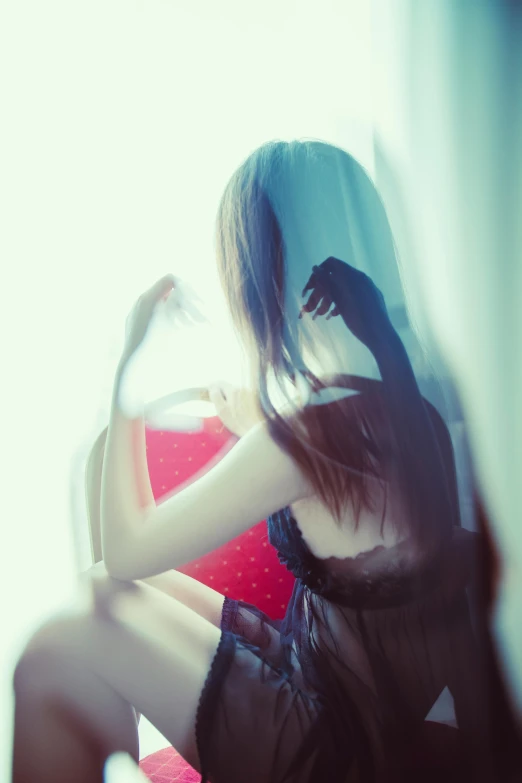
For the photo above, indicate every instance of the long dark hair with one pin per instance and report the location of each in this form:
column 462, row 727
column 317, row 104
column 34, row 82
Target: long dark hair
column 343, row 445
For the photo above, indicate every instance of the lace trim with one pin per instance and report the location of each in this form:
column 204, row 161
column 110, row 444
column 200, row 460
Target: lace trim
column 228, row 614
column 301, row 561
column 346, row 581
column 210, row 692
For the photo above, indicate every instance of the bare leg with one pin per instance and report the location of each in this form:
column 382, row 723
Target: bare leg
column 194, row 594
column 81, row 673
column 53, row 741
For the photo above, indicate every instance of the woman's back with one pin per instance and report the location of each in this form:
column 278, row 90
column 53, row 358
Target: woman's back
column 378, row 625
column 348, row 537
column 358, row 423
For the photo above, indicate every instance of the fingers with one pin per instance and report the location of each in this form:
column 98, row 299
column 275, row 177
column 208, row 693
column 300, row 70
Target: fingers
column 335, row 280
column 226, row 393
column 315, row 298
column 312, row 282
column 181, row 305
column 191, row 309
column 320, row 299
column 190, row 292
column 324, row 306
column 320, row 283
column 180, row 317
column 217, row 396
column 228, row 389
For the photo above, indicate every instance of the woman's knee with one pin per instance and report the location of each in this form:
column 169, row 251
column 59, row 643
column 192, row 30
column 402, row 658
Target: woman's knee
column 42, row 657
column 203, row 600
column 54, row 670
column 98, row 590
column 59, row 639
column 97, row 573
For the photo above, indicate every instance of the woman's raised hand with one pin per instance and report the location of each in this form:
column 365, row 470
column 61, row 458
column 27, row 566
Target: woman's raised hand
column 179, row 300
column 352, row 295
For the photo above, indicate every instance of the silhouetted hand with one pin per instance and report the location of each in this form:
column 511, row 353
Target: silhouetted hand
column 354, row 297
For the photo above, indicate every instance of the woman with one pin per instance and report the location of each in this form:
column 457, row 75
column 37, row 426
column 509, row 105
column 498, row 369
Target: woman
column 355, row 475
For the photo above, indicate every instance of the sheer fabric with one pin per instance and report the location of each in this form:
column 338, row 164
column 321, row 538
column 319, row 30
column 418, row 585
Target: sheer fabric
column 342, row 688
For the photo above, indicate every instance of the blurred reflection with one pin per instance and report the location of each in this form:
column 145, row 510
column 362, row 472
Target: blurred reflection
column 457, row 72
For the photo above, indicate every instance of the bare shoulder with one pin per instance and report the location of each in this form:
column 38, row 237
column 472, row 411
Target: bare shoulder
column 258, row 461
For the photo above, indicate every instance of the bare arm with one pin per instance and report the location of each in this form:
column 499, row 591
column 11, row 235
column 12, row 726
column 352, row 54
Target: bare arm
column 253, row 480
column 93, row 479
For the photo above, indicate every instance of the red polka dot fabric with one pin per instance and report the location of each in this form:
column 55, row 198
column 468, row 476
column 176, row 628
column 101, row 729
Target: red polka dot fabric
column 246, row 567
column 167, row 766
